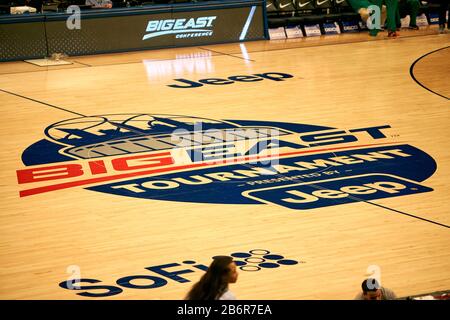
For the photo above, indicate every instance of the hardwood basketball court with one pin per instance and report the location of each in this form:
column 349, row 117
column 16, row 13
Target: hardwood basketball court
column 343, row 83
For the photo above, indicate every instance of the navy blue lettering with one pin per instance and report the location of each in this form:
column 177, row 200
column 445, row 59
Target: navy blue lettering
column 275, row 143
column 245, row 78
column 111, row 290
column 213, row 153
column 156, row 282
column 322, row 139
column 215, row 81
column 374, row 132
column 190, row 84
column 201, row 267
column 170, row 274
column 275, row 76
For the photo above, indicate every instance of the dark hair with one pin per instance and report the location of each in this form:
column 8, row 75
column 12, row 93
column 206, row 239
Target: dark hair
column 214, row 282
column 370, row 285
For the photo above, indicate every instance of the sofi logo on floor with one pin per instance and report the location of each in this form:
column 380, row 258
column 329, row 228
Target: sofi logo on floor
column 162, row 275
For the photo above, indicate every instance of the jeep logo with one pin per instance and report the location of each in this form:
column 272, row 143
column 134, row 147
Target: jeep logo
column 331, row 192
column 274, row 76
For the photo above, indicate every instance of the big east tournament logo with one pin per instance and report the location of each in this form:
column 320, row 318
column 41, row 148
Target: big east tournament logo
column 179, row 158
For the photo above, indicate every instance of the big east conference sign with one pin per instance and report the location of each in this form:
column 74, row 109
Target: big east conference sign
column 182, row 158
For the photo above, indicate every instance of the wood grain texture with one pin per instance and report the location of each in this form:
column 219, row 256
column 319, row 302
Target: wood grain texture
column 348, row 85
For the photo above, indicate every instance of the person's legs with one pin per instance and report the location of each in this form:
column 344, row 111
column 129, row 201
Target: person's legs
column 448, row 9
column 398, row 22
column 378, row 3
column 444, row 6
column 383, row 15
column 391, row 7
column 413, row 10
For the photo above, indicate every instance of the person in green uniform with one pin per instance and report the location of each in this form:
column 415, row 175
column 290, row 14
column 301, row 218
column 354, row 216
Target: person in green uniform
column 361, row 6
column 391, row 15
column 408, row 7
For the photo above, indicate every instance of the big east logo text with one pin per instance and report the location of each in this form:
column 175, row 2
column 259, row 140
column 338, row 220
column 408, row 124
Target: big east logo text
column 179, row 158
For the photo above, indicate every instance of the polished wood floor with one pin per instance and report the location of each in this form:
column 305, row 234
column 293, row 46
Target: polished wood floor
column 345, row 82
